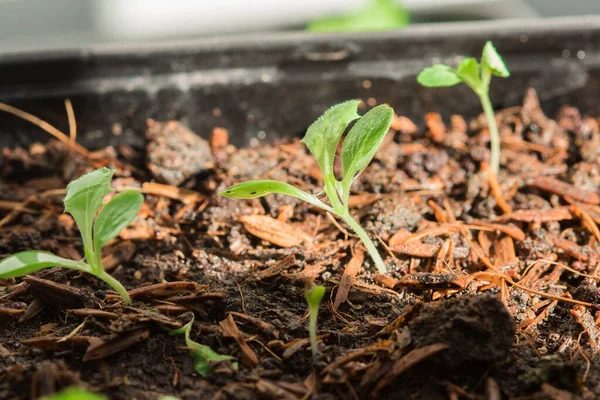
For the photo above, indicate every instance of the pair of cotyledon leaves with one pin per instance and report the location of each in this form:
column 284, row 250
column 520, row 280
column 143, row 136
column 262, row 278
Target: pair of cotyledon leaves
column 470, row 71
column 98, row 223
column 322, row 139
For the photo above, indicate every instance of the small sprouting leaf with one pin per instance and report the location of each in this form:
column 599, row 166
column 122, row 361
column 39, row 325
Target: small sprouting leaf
column 203, row 355
column 74, row 393
column 363, row 140
column 84, row 197
column 438, row 75
column 116, row 215
column 314, row 296
column 380, row 15
column 26, row 262
column 258, row 188
column 323, row 136
column 494, row 61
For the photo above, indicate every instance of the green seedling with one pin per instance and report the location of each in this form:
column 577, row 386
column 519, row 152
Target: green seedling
column 204, row 357
column 314, row 295
column 98, row 224
column 322, row 139
column 75, row 393
column 476, row 75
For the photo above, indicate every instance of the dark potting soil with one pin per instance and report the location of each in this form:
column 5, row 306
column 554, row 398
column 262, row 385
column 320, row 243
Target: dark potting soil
column 492, row 289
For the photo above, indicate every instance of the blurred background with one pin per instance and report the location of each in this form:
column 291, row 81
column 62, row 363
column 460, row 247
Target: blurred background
column 48, row 24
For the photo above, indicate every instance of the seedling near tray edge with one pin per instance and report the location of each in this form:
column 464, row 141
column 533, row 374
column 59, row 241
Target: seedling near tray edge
column 477, row 76
column 98, row 224
column 322, row 139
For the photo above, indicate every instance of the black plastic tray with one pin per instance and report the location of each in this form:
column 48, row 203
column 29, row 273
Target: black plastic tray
column 276, row 84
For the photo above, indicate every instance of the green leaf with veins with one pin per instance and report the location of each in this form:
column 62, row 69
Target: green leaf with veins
column 26, row 262
column 363, row 140
column 83, row 199
column 323, row 136
column 204, row 357
column 491, row 59
column 259, row 188
column 438, row 75
column 117, row 214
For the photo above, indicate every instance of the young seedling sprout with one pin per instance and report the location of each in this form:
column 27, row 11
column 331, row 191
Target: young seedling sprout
column 314, row 295
column 98, row 224
column 322, row 139
column 204, row 357
column 476, row 75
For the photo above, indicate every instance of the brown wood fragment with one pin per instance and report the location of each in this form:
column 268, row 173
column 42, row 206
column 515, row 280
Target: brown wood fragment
column 348, row 277
column 495, row 189
column 197, row 296
column 588, row 222
column 269, row 390
column 363, row 199
column 399, row 237
column 551, row 214
column 411, row 359
column 105, row 348
column 429, row 280
column 51, row 343
column 511, row 230
column 230, row 329
column 219, row 139
column 560, row 188
column 118, row 254
column 277, row 268
column 163, row 289
column 32, row 310
column 584, row 317
column 60, row 295
column 90, row 312
column 572, row 248
column 399, row 322
column 427, row 250
column 264, row 326
column 504, row 251
column 274, row 231
column 172, row 192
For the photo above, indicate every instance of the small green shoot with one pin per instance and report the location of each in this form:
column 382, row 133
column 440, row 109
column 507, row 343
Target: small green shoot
column 204, row 357
column 74, row 393
column 98, row 224
column 314, row 295
column 322, row 139
column 476, row 75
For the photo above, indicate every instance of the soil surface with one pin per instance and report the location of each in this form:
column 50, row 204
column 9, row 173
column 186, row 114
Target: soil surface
column 492, row 290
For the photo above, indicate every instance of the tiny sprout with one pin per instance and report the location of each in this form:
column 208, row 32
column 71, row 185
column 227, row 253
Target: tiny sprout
column 322, row 139
column 98, row 224
column 476, row 75
column 204, row 357
column 314, row 295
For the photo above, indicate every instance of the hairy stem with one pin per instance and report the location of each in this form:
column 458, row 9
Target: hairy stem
column 115, row 284
column 494, row 135
column 366, row 241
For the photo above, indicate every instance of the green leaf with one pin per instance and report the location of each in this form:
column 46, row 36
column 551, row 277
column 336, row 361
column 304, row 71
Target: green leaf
column 323, row 136
column 74, row 393
column 379, row 16
column 203, row 355
column 438, row 75
column 26, row 262
column 314, row 296
column 491, row 59
column 84, row 197
column 469, row 72
column 259, row 188
column 363, row 140
column 119, row 212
